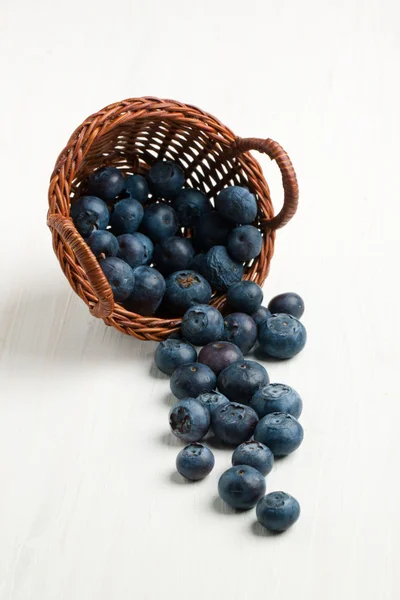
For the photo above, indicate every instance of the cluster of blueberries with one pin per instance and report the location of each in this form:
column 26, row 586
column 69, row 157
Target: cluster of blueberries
column 134, row 227
column 247, row 411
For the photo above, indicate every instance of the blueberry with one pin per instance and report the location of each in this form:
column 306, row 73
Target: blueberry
column 289, row 303
column 103, row 243
column 131, row 249
column 198, row 262
column 148, row 247
column 220, row 270
column 191, row 204
column 165, row 179
column 195, row 462
column 245, row 296
column 211, row 230
column 240, row 329
column 212, row 400
column 281, row 432
column 148, row 291
column 137, row 187
column 191, row 380
column 189, row 420
column 159, row 222
column 237, row 204
column 240, row 381
column 244, row 243
column 120, row 277
column 254, row 454
column 282, row 336
column 241, row 487
column 127, row 216
column 82, row 214
column 260, row 315
column 185, row 289
column 276, row 397
column 234, row 423
column 219, row 355
column 202, row 324
column 173, row 254
column 106, row 183
column 277, row 511
column 171, row 354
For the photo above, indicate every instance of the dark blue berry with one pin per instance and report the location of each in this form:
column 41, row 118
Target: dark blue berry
column 220, row 270
column 106, row 183
column 198, row 263
column 281, row 432
column 148, row 247
column 254, row 454
column 189, row 420
column 189, row 205
column 82, row 214
column 173, row 254
column 277, row 511
column 245, row 296
column 195, row 462
column 137, row 187
column 165, row 179
column 185, row 289
column 148, row 291
column 103, row 243
column 86, row 223
column 131, row 249
column 219, row 355
column 171, row 354
column 240, row 381
column 237, row 204
column 212, row 400
column 277, row 397
column 240, row 329
column 244, row 243
column 159, row 222
column 191, row 380
column 289, row 303
column 260, row 315
column 241, row 487
column 126, row 217
column 202, row 324
column 211, row 230
column 120, row 277
column 282, row 336
column 234, row 423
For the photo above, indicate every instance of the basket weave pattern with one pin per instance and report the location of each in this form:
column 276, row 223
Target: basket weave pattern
column 132, row 135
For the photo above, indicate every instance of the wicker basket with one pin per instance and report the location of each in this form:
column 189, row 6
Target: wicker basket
column 132, row 135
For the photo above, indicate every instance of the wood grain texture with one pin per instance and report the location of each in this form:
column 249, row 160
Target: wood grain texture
column 90, row 506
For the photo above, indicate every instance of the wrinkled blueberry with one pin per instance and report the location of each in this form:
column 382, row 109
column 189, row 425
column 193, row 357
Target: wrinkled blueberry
column 240, row 329
column 244, row 243
column 189, row 420
column 281, row 432
column 86, row 223
column 241, row 487
column 236, row 204
column 191, row 204
column 245, row 296
column 137, row 187
column 131, row 249
column 220, row 270
column 254, row 454
column 277, row 511
column 148, row 247
column 106, row 183
column 212, row 400
column 120, row 277
column 126, row 217
column 184, row 289
column 165, row 179
column 171, row 354
column 282, row 336
column 202, row 324
column 277, row 397
column 195, row 462
column 234, row 423
column 191, row 380
column 89, row 213
column 289, row 303
column 159, row 222
column 211, row 230
column 260, row 315
column 148, row 291
column 173, row 254
column 240, row 381
column 219, row 355
column 103, row 243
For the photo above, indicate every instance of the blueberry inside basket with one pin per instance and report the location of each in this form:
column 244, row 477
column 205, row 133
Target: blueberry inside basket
column 132, row 135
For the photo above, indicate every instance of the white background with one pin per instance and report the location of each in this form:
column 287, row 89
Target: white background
column 90, row 506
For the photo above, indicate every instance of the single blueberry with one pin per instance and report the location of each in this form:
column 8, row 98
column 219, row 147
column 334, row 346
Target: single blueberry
column 189, row 420
column 254, row 454
column 106, row 183
column 220, row 270
column 171, row 354
column 103, row 243
column 165, row 179
column 148, row 247
column 240, row 329
column 241, row 487
column 195, row 462
column 277, row 397
column 236, row 204
column 86, row 223
column 159, row 222
column 219, row 355
column 126, row 217
column 245, row 296
column 244, row 243
column 198, row 263
column 191, row 380
column 202, row 324
column 191, row 204
column 240, row 381
column 137, row 187
column 212, row 400
column 173, row 254
column 282, row 336
column 233, row 423
column 148, row 292
column 281, row 432
column 277, row 511
column 82, row 212
column 120, row 277
column 260, row 315
column 131, row 249
column 211, row 230
column 289, row 303
column 185, row 289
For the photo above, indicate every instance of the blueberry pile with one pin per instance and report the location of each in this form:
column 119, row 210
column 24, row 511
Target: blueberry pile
column 134, row 225
column 221, row 391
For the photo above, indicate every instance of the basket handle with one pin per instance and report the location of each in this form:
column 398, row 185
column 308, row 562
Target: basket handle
column 289, row 179
column 87, row 260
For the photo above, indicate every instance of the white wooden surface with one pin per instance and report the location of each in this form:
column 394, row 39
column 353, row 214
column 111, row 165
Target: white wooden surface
column 90, row 506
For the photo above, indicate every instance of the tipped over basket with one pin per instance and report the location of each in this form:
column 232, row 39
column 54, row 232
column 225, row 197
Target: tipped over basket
column 132, row 135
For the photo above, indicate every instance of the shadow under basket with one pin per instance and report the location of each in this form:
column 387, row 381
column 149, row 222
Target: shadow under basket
column 132, row 135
